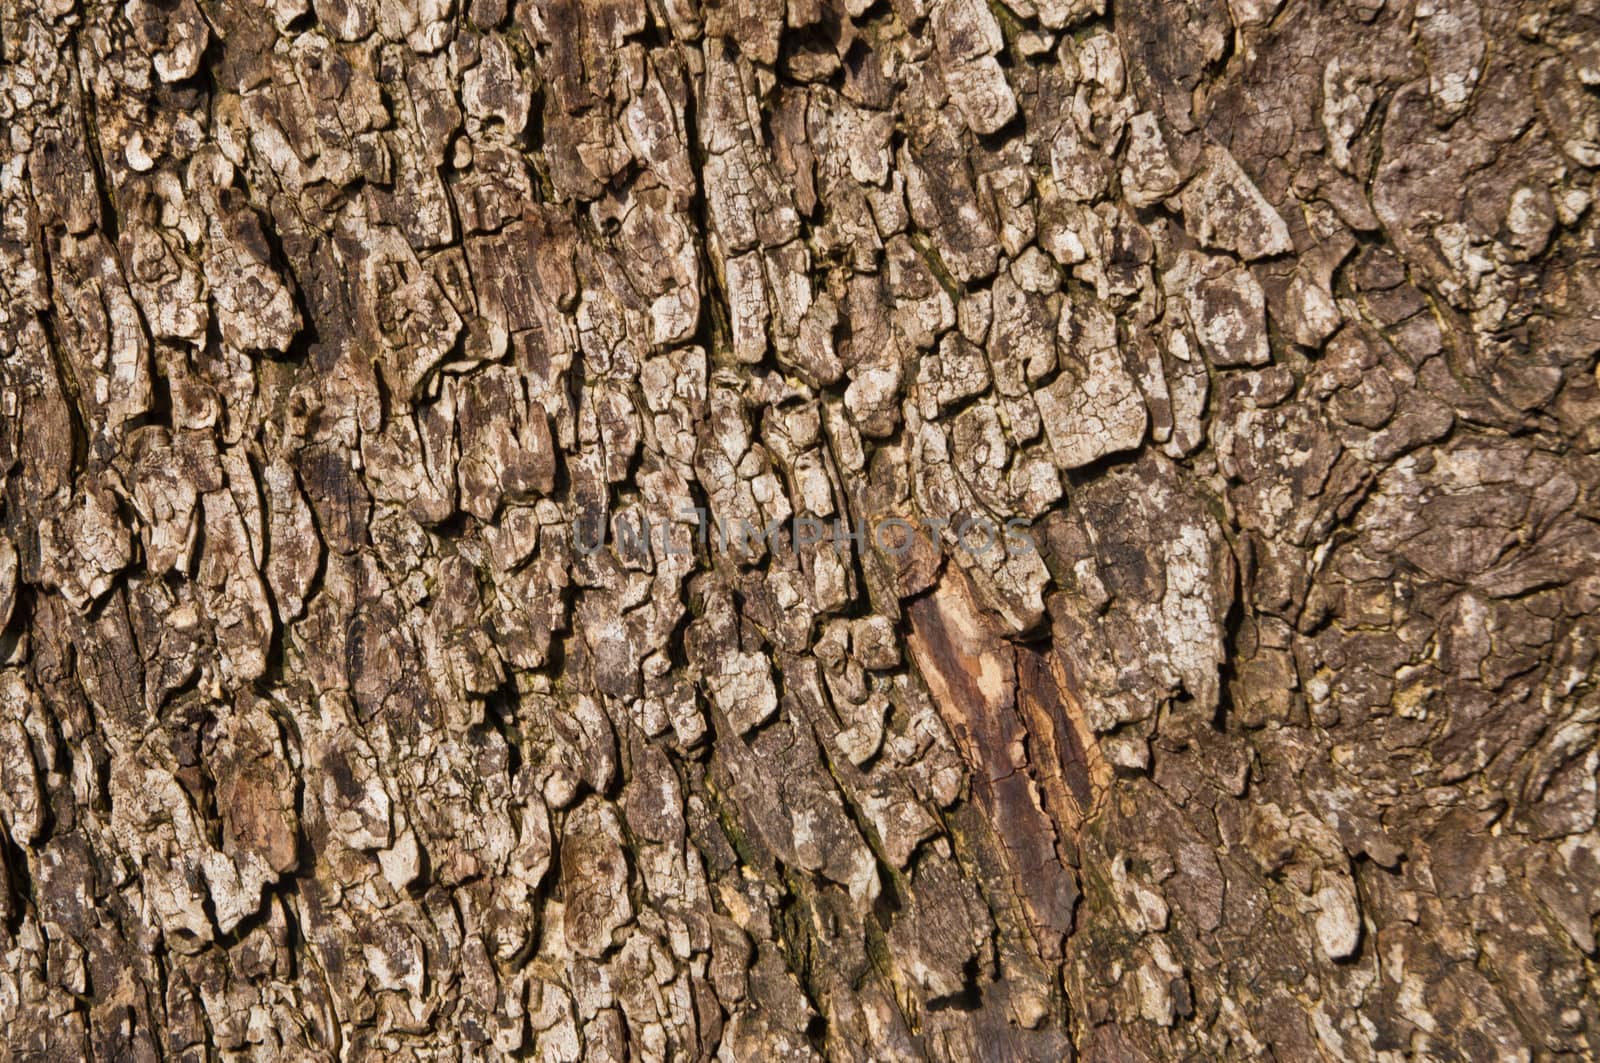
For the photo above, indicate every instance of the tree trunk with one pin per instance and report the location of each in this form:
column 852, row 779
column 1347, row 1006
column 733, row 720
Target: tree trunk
column 916, row 529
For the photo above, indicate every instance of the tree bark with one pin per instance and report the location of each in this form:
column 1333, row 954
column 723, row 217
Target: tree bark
column 1196, row 403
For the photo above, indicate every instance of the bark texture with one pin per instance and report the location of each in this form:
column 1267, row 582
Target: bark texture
column 325, row 326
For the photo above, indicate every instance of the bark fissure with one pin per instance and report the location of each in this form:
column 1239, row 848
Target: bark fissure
column 1260, row 335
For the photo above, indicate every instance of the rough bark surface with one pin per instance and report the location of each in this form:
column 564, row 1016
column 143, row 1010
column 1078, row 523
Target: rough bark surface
column 327, row 326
